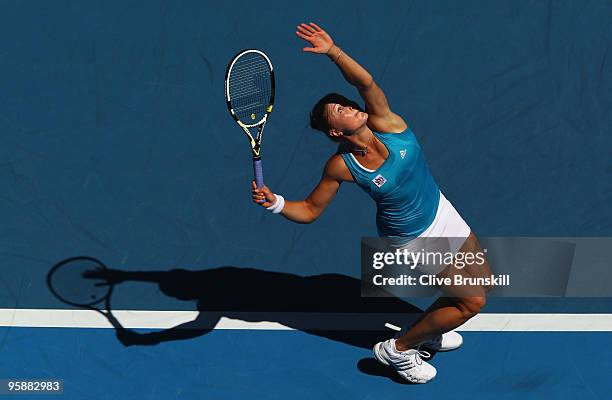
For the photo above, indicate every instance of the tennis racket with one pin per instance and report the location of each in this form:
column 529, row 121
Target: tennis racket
column 80, row 282
column 249, row 94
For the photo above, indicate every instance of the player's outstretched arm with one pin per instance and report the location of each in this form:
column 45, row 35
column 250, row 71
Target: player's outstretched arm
column 308, row 210
column 380, row 115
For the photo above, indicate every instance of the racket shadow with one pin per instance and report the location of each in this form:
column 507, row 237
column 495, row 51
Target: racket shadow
column 328, row 305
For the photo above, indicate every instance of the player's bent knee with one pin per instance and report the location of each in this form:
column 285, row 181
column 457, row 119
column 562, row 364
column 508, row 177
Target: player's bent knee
column 470, row 306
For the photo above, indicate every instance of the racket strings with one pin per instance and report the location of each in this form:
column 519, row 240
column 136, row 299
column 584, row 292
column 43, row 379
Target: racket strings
column 250, row 87
column 256, row 83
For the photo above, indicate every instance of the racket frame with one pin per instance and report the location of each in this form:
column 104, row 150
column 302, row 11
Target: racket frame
column 254, row 141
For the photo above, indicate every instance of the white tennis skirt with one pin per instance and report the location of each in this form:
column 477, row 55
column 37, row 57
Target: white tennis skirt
column 442, row 239
column 448, row 224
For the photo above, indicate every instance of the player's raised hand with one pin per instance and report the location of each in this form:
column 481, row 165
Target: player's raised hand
column 262, row 196
column 319, row 40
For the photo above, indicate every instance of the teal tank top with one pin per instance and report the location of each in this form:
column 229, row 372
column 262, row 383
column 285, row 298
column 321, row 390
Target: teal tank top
column 403, row 188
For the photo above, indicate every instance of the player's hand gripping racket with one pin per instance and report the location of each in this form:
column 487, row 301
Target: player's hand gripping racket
column 249, row 94
column 83, row 282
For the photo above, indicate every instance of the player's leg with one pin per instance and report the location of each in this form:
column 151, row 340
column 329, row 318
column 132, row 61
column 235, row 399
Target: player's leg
column 460, row 304
column 444, row 315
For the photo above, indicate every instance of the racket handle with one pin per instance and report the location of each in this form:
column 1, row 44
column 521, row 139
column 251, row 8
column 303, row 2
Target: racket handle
column 258, row 173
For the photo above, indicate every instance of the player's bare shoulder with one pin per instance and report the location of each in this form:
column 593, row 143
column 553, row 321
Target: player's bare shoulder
column 336, row 169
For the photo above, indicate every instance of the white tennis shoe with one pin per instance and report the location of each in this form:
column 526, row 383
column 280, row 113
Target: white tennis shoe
column 408, row 364
column 445, row 342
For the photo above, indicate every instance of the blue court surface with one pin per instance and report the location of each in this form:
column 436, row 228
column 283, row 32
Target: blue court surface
column 279, row 365
column 116, row 143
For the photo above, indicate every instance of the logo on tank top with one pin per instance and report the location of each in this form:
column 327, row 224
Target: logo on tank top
column 403, row 153
column 379, row 180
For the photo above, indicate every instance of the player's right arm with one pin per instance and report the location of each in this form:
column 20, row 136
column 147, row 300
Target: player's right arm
column 381, row 118
column 308, row 210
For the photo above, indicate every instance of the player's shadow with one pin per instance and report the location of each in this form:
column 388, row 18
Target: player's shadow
column 328, row 305
column 372, row 367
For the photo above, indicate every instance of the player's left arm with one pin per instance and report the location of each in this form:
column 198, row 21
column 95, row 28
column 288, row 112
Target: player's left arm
column 381, row 118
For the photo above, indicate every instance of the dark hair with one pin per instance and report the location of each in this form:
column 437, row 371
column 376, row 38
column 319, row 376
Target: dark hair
column 317, row 115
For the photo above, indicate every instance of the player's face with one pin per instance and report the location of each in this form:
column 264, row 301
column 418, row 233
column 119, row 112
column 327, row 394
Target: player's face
column 345, row 119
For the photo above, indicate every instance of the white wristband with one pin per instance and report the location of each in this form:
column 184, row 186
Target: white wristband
column 278, row 205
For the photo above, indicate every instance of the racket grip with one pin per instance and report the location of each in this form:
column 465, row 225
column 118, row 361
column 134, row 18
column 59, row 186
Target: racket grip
column 258, row 173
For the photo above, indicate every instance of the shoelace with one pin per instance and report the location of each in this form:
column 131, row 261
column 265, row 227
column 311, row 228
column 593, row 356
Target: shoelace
column 420, row 354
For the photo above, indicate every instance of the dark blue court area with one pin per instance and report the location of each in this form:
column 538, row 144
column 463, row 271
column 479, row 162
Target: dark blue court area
column 116, row 143
column 279, row 365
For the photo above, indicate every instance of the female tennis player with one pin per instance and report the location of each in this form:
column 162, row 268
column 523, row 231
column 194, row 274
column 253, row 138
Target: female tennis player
column 378, row 152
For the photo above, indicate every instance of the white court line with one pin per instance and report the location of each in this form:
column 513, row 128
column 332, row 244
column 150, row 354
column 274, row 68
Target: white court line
column 39, row 318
